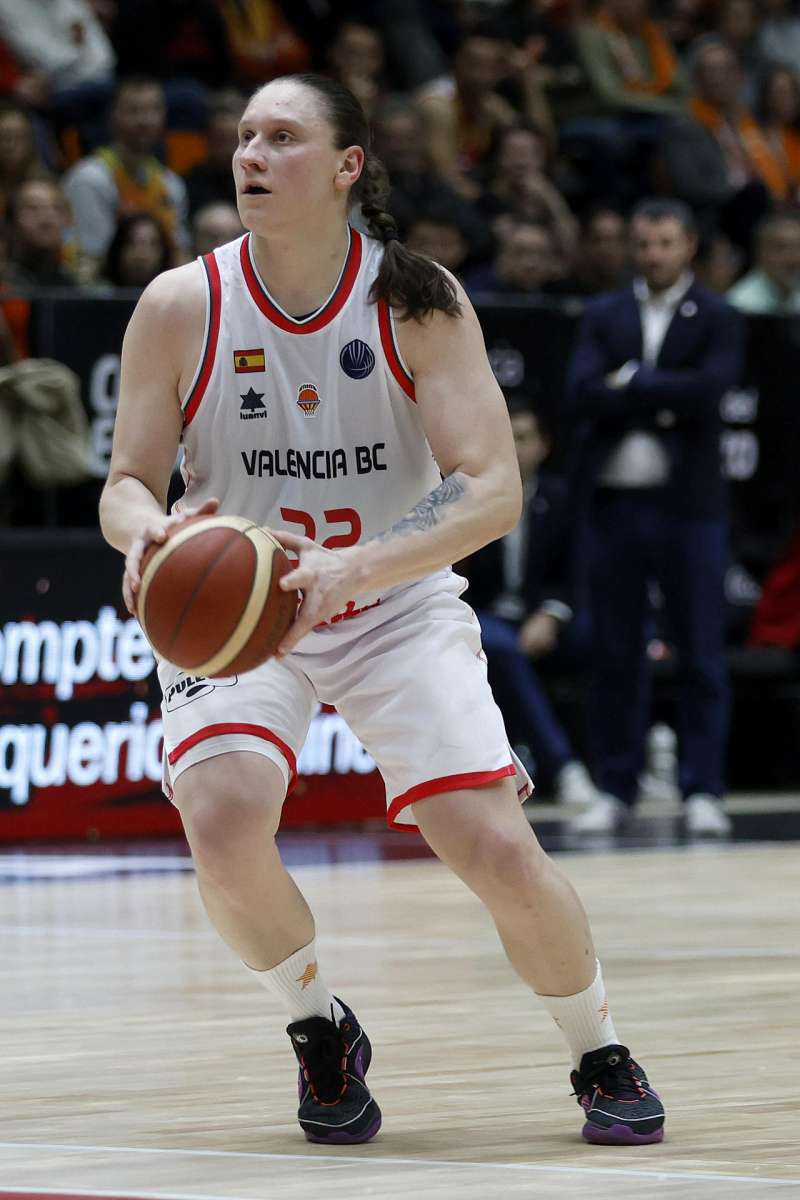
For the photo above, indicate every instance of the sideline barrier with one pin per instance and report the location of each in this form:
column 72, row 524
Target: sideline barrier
column 80, row 719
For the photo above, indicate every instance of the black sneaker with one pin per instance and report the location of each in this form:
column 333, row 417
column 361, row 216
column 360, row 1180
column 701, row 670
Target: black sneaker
column 620, row 1105
column 335, row 1103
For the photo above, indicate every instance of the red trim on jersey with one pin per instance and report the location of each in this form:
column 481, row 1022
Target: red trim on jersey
column 210, row 349
column 210, row 731
column 331, row 308
column 390, row 350
column 447, row 783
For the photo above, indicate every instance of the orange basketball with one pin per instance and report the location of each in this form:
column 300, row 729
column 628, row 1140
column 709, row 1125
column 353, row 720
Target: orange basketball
column 209, row 599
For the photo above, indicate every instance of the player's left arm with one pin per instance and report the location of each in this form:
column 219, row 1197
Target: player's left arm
column 466, row 422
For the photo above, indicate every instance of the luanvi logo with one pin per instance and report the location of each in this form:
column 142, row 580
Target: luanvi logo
column 187, row 688
column 253, row 405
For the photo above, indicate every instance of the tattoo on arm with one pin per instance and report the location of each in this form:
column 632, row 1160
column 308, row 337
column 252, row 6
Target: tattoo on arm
column 429, row 510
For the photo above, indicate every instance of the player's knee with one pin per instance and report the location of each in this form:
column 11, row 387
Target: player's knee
column 217, row 826
column 228, row 816
column 508, row 867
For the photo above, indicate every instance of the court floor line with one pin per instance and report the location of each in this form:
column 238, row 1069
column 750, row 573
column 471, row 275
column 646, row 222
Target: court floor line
column 91, row 1194
column 610, row 951
column 378, row 1161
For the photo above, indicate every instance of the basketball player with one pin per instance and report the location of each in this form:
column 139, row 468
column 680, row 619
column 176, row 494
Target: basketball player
column 335, row 387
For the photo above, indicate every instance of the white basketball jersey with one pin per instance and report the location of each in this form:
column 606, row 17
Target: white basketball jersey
column 309, row 425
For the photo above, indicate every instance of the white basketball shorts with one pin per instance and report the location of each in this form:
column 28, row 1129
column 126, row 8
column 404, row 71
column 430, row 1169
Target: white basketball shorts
column 408, row 676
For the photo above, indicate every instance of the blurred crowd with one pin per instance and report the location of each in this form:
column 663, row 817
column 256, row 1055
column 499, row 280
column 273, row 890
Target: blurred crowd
column 517, row 133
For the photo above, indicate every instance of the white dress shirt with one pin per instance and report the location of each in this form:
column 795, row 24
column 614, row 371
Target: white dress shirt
column 640, row 459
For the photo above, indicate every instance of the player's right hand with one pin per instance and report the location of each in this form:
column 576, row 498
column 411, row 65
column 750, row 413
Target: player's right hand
column 156, row 530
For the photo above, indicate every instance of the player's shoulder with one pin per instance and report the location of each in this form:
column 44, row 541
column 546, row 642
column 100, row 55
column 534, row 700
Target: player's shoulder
column 170, row 314
column 179, row 291
column 440, row 335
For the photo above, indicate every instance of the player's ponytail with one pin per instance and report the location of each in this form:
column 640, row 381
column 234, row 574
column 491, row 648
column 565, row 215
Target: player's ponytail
column 411, row 283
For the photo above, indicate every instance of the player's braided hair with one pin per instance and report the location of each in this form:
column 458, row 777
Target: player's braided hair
column 410, row 282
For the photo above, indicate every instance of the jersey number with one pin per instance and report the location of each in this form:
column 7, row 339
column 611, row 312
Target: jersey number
column 333, row 516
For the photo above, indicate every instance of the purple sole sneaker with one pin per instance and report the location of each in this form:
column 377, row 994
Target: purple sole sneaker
column 620, row 1106
column 619, row 1135
column 346, row 1139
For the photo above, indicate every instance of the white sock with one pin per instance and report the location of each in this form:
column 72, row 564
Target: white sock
column 298, row 984
column 584, row 1018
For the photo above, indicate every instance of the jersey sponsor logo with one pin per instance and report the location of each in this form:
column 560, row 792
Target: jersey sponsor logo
column 253, row 406
column 308, row 399
column 357, row 359
column 187, row 688
column 249, row 360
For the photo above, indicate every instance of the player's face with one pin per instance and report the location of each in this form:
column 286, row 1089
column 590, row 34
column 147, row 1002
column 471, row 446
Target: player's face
column 286, row 168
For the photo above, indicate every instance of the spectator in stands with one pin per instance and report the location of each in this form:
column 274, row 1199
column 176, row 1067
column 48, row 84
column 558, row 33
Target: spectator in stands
column 527, row 262
column 545, row 27
column 630, row 62
column 29, row 88
column 779, row 34
column 19, row 157
column 463, row 114
column 214, row 225
column 172, row 40
column 637, row 83
column 356, row 58
column 737, row 26
column 518, row 185
column 61, row 43
column 718, row 159
column 64, row 59
column 140, row 249
column 685, row 20
column 778, row 113
column 415, row 185
column 650, row 366
column 602, row 256
column 38, row 220
column 262, row 41
column 718, row 264
column 521, row 588
column 772, row 288
column 437, row 235
column 126, row 177
column 211, row 181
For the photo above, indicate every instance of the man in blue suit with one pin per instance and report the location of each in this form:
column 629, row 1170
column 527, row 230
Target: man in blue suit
column 649, row 368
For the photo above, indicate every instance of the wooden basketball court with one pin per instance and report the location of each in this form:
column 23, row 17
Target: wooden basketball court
column 139, row 1060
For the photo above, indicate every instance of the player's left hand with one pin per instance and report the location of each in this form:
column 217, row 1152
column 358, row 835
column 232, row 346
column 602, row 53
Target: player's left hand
column 325, row 579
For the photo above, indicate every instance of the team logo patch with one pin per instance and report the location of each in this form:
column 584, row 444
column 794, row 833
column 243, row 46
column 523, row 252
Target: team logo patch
column 357, row 360
column 187, row 688
column 308, row 400
column 252, row 406
column 248, row 360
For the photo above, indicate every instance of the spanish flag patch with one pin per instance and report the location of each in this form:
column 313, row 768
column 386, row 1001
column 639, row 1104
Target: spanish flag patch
column 248, row 360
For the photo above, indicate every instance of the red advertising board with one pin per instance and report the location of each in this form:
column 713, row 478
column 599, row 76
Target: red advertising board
column 80, row 718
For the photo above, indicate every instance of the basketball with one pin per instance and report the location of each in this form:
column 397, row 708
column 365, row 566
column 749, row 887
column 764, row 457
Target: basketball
column 209, row 600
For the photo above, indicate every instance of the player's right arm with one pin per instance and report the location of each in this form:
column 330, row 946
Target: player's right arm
column 159, row 355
